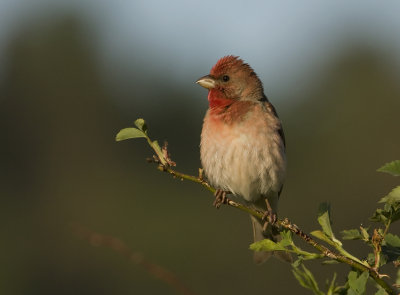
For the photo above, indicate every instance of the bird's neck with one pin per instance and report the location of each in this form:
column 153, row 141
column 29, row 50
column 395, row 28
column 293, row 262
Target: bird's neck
column 217, row 100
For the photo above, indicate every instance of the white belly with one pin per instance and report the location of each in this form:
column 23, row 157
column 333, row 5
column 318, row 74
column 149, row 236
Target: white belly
column 244, row 159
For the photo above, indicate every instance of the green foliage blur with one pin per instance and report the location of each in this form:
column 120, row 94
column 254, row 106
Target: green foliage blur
column 385, row 249
column 60, row 166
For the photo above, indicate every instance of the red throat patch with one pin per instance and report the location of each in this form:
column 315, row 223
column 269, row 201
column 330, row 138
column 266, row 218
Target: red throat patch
column 216, row 99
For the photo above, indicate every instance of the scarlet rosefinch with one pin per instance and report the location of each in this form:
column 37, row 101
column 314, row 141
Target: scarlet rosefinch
column 242, row 143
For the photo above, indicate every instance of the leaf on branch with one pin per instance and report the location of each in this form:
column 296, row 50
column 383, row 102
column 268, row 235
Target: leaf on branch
column 332, row 288
column 391, row 210
column 382, row 261
column 392, row 168
column 364, row 233
column 392, row 240
column 141, row 125
column 391, row 248
column 322, row 236
column 324, row 220
column 352, row 234
column 306, row 279
column 128, row 133
column 286, row 238
column 156, row 147
column 357, row 283
column 267, row 245
column 380, row 215
column 393, row 197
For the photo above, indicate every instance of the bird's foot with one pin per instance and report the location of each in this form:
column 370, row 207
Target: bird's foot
column 269, row 217
column 220, row 198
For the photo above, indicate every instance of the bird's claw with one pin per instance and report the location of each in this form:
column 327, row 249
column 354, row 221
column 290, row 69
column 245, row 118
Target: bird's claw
column 220, row 198
column 269, row 217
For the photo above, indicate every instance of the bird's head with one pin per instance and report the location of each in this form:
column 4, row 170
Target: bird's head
column 231, row 80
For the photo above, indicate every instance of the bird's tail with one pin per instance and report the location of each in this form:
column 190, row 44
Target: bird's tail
column 259, row 234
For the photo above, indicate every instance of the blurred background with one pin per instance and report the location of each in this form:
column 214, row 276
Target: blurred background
column 73, row 73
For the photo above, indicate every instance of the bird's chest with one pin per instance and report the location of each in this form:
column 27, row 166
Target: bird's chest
column 244, row 157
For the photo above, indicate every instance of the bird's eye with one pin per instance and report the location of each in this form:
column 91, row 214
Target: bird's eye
column 225, row 78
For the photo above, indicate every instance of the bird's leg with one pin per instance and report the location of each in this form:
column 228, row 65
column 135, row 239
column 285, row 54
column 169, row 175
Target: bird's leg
column 269, row 216
column 220, row 198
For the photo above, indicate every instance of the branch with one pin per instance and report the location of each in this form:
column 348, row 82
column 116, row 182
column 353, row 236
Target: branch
column 162, row 158
column 285, row 223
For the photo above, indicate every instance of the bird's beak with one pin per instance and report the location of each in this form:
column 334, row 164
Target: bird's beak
column 206, row 82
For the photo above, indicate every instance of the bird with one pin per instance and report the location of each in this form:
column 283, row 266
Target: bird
column 242, row 147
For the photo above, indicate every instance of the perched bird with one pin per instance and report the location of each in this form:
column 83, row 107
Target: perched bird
column 242, row 143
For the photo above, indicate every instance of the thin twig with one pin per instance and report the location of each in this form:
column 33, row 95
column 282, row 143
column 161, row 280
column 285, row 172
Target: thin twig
column 285, row 223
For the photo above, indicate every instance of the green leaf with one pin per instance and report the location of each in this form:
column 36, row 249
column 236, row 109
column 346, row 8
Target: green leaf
column 391, row 168
column 392, row 240
column 364, row 233
column 324, row 220
column 141, row 125
column 395, row 215
column 128, row 133
column 322, row 236
column 331, row 289
column 380, row 216
column 393, row 197
column 286, row 238
column 391, row 248
column 352, row 234
column 306, row 279
column 267, row 245
column 357, row 283
column 157, row 149
column 298, row 262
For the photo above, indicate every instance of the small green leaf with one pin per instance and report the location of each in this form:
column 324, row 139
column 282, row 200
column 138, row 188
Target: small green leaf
column 391, row 168
column 141, row 125
column 331, row 289
column 392, row 240
column 351, row 234
column 371, row 258
column 306, row 279
column 364, row 233
column 267, row 245
column 357, row 283
column 393, row 197
column 379, row 216
column 157, row 149
column 286, row 238
column 322, row 236
column 128, row 133
column 324, row 220
column 391, row 248
column 298, row 262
